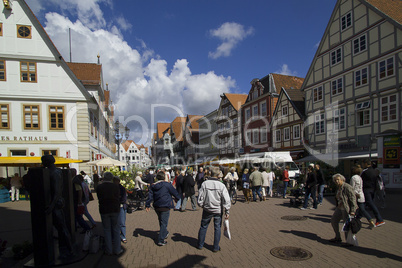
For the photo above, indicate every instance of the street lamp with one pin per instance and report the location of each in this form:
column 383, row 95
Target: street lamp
column 119, row 137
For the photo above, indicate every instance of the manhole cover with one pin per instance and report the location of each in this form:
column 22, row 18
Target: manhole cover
column 294, row 218
column 291, row 253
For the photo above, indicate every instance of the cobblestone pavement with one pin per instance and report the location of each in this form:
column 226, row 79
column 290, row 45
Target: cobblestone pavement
column 256, row 228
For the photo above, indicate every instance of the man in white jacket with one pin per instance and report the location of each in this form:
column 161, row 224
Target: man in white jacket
column 214, row 198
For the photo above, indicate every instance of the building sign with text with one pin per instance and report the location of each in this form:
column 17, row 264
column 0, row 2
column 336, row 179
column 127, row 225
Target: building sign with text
column 392, row 155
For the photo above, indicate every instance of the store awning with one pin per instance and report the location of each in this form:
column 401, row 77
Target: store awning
column 341, row 156
column 34, row 161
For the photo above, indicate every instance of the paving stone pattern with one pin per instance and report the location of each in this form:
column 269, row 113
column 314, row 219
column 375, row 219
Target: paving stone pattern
column 256, row 228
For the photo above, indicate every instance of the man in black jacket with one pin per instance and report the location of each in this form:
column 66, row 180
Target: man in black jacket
column 311, row 188
column 369, row 181
column 109, row 210
column 189, row 191
column 179, row 189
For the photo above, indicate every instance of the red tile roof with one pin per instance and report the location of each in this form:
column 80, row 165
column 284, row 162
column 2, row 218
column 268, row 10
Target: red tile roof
column 194, row 121
column 237, row 100
column 177, row 128
column 160, row 128
column 88, row 73
column 391, row 8
column 287, row 81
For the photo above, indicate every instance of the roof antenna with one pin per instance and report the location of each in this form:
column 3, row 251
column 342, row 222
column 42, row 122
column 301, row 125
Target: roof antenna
column 69, row 39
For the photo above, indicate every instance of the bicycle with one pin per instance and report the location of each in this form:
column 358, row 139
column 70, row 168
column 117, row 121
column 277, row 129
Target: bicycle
column 134, row 201
column 233, row 192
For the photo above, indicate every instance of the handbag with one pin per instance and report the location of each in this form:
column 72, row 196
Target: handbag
column 351, row 239
column 226, row 230
column 355, row 225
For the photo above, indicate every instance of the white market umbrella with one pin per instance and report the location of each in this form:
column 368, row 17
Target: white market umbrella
column 106, row 162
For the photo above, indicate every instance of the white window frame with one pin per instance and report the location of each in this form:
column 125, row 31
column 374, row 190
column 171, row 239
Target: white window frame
column 286, row 134
column 339, row 116
column 236, row 141
column 285, row 110
column 278, row 135
column 253, row 112
column 247, row 116
column 320, row 94
column 337, row 86
column 256, row 136
column 345, row 21
column 248, row 138
column 386, row 68
column 319, row 123
column 388, row 107
column 336, row 56
column 360, row 44
column 264, row 134
column 255, row 94
column 296, row 132
column 262, row 111
column 361, row 77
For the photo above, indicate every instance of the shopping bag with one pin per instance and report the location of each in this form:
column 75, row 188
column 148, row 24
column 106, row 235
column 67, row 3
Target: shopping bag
column 346, row 225
column 351, row 239
column 226, row 231
column 95, row 243
column 87, row 239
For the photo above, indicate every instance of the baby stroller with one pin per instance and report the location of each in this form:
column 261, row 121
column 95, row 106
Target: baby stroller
column 134, row 201
column 298, row 196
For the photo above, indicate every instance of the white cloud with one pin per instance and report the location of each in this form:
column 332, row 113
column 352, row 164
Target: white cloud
column 123, row 23
column 230, row 33
column 137, row 78
column 286, row 71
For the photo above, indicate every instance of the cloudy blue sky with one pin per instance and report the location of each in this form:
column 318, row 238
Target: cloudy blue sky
column 167, row 58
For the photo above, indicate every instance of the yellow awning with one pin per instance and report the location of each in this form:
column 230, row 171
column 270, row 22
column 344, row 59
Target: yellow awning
column 34, row 161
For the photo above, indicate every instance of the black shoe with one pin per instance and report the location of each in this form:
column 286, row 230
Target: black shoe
column 335, row 240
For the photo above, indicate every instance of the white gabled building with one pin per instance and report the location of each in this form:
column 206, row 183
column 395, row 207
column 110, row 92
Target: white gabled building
column 134, row 154
column 45, row 109
column 353, row 87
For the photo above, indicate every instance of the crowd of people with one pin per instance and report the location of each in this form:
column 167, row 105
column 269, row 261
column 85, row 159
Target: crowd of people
column 171, row 189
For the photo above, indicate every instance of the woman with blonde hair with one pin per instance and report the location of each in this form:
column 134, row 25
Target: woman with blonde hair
column 138, row 185
column 346, row 205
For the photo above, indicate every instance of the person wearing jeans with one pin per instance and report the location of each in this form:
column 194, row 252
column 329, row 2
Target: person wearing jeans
column 320, row 183
column 369, row 178
column 160, row 193
column 205, row 220
column 311, row 188
column 123, row 209
column 285, row 180
column 109, row 209
column 213, row 197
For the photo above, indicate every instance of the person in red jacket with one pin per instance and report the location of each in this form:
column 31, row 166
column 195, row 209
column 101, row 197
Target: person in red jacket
column 285, row 179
